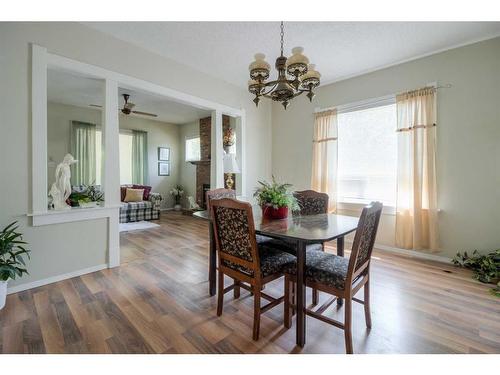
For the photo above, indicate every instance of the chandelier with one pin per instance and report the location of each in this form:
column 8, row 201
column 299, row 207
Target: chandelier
column 295, row 76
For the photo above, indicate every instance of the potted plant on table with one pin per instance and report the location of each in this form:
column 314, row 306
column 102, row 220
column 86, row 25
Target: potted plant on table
column 12, row 263
column 275, row 199
column 177, row 192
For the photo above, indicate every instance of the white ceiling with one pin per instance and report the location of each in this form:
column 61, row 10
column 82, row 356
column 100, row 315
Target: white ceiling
column 82, row 91
column 339, row 49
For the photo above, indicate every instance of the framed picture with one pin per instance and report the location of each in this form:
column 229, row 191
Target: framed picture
column 163, row 169
column 163, row 153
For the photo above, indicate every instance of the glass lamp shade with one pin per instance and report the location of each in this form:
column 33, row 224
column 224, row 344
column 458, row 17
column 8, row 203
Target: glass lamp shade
column 297, row 63
column 259, row 69
column 230, row 164
column 312, row 77
column 253, row 86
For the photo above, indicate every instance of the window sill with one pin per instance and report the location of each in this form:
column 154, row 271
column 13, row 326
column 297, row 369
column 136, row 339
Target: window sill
column 72, row 215
column 358, row 207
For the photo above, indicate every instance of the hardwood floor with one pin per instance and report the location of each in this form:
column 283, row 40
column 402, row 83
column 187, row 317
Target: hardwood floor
column 157, row 302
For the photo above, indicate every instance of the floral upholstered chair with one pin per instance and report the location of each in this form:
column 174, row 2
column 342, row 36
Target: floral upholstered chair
column 251, row 265
column 339, row 276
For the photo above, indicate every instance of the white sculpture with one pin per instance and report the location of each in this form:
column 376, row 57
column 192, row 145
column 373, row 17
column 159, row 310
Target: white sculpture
column 192, row 204
column 61, row 188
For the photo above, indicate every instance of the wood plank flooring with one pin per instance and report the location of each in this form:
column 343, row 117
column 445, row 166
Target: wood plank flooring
column 157, row 302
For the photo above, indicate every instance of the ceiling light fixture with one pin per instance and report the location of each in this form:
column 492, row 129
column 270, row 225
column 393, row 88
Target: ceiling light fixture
column 303, row 77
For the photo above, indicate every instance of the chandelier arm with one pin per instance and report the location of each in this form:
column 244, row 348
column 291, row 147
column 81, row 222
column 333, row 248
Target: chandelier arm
column 266, row 94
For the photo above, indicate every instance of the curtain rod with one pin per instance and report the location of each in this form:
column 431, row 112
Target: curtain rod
column 381, row 98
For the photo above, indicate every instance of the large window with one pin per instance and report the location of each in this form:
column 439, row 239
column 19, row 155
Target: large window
column 367, row 155
column 125, row 140
column 193, row 149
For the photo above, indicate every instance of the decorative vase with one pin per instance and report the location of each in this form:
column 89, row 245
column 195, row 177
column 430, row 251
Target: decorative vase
column 3, row 293
column 177, row 207
column 272, row 213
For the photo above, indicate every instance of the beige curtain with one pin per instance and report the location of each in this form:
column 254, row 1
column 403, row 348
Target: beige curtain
column 416, row 205
column 324, row 159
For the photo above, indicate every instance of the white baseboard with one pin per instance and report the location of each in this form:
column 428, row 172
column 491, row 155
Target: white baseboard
column 54, row 279
column 410, row 253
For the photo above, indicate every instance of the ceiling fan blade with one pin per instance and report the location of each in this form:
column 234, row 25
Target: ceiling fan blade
column 95, row 105
column 145, row 113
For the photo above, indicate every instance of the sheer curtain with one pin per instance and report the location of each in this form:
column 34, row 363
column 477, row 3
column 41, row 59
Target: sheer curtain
column 416, row 204
column 139, row 157
column 324, row 158
column 83, row 149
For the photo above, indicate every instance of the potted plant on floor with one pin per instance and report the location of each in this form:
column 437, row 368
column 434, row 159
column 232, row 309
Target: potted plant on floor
column 12, row 263
column 275, row 199
column 177, row 192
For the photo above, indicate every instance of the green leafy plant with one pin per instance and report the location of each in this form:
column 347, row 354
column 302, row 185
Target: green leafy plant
column 89, row 193
column 485, row 268
column 276, row 195
column 12, row 252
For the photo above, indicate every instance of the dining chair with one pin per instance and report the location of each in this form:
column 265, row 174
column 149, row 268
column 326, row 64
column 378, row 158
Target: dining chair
column 341, row 277
column 242, row 259
column 312, row 202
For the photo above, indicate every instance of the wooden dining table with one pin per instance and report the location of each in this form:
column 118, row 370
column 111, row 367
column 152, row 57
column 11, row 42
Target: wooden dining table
column 302, row 230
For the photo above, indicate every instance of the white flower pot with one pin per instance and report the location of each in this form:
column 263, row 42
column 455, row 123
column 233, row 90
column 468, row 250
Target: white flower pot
column 177, row 207
column 3, row 293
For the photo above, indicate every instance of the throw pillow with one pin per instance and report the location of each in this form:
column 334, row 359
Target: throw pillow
column 134, row 195
column 147, row 190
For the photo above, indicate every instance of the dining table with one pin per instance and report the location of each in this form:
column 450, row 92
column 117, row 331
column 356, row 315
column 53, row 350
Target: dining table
column 300, row 230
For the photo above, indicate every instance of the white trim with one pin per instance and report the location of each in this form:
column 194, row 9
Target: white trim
column 409, row 253
column 358, row 207
column 400, row 62
column 217, row 152
column 55, row 279
column 125, row 81
column 72, row 214
column 361, row 104
column 38, row 128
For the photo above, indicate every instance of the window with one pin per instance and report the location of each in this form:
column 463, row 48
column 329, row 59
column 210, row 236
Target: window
column 125, row 140
column 193, row 149
column 367, row 155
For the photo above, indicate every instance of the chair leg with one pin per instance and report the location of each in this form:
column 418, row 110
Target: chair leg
column 348, row 325
column 288, row 301
column 315, row 297
column 293, row 297
column 236, row 290
column 256, row 312
column 220, row 293
column 368, row 316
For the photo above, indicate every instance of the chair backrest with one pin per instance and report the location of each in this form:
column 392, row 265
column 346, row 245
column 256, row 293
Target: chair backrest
column 234, row 231
column 312, row 202
column 219, row 194
column 365, row 237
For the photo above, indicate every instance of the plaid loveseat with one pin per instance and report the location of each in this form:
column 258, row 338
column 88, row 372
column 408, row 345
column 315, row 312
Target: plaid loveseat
column 145, row 210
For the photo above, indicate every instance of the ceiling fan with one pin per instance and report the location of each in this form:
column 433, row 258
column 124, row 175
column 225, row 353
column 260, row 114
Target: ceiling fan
column 128, row 108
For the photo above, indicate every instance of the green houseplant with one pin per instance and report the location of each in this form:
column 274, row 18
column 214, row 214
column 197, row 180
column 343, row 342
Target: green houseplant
column 12, row 252
column 275, row 199
column 485, row 268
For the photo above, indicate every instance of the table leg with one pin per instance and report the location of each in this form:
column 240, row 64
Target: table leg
column 212, row 257
column 301, row 294
column 340, row 253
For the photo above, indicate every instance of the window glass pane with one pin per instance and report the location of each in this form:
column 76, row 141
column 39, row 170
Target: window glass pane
column 367, row 155
column 125, row 159
column 193, row 149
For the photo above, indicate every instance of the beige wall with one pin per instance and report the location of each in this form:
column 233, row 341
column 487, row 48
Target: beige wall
column 62, row 248
column 187, row 170
column 468, row 135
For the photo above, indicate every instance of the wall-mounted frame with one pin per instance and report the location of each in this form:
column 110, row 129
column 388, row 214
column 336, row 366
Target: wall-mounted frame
column 163, row 154
column 163, row 168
